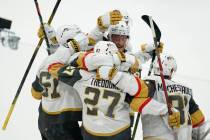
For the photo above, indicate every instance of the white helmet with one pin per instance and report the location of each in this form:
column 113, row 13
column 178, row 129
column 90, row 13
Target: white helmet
column 119, row 29
column 169, row 66
column 105, row 47
column 66, row 32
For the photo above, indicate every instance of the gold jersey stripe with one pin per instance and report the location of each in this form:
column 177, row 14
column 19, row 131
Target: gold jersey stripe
column 91, row 41
column 75, row 45
column 63, row 110
column 151, row 138
column 138, row 103
column 37, row 95
column 108, row 134
column 121, row 55
column 197, row 118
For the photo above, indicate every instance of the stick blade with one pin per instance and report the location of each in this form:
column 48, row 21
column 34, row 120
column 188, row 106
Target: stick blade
column 157, row 30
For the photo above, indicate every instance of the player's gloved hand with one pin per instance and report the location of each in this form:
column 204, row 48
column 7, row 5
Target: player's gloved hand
column 80, row 43
column 127, row 60
column 106, row 72
column 40, row 33
column 174, row 119
column 160, row 48
column 110, row 18
column 149, row 48
column 135, row 65
column 115, row 17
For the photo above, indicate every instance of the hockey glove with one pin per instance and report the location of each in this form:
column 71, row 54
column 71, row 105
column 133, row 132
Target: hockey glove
column 40, row 33
column 106, row 73
column 174, row 119
column 50, row 32
column 160, row 48
column 80, row 43
column 127, row 61
column 149, row 48
column 110, row 18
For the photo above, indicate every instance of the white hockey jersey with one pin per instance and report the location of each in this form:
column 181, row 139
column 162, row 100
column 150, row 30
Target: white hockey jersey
column 105, row 112
column 155, row 125
column 57, row 97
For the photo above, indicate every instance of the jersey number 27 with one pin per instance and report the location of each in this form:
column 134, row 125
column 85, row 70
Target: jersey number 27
column 106, row 94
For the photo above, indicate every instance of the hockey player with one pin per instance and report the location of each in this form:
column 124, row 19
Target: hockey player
column 72, row 40
column 71, row 45
column 60, row 107
column 106, row 22
column 116, row 31
column 118, row 34
column 115, row 26
column 105, row 113
column 154, row 124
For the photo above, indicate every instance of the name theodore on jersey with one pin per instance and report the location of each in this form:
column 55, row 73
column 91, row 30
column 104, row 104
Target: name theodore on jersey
column 175, row 88
column 103, row 83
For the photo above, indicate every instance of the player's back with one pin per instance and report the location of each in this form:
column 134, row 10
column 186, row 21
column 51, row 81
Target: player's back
column 57, row 97
column 180, row 95
column 105, row 112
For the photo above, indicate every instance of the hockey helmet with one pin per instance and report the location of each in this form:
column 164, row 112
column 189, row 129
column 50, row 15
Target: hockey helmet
column 105, row 47
column 119, row 29
column 169, row 66
column 51, row 34
column 66, row 32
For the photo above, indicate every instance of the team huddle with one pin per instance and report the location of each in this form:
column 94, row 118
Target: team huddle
column 94, row 78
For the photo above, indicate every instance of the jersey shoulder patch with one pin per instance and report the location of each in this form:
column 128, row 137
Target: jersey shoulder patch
column 69, row 75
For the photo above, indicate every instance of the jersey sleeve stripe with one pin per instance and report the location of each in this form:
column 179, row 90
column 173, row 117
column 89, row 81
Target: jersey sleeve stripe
column 83, row 60
column 138, row 103
column 145, row 103
column 53, row 65
column 139, row 87
column 54, row 68
column 36, row 94
column 197, row 118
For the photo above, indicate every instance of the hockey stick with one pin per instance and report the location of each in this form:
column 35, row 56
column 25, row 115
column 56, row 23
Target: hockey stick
column 158, row 36
column 158, row 33
column 28, row 68
column 168, row 102
column 161, row 68
column 135, row 126
column 42, row 25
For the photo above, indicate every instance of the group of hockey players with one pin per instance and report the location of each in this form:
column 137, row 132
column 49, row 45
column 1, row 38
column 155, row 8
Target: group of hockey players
column 92, row 78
